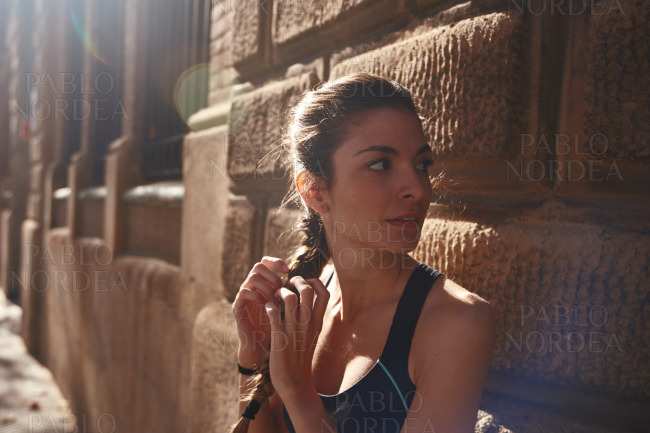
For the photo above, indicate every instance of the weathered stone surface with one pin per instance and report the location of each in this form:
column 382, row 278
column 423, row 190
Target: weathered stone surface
column 468, row 78
column 204, row 215
column 570, row 298
column 617, row 98
column 154, row 231
column 92, row 218
column 305, row 28
column 257, row 120
column 247, row 20
column 215, row 382
column 280, row 237
column 239, row 243
column 221, row 33
column 116, row 317
column 499, row 415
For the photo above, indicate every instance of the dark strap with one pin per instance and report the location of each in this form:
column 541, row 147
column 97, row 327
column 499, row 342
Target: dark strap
column 408, row 311
column 251, row 410
column 327, row 276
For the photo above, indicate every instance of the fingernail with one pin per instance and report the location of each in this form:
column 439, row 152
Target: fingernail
column 269, row 307
column 285, row 267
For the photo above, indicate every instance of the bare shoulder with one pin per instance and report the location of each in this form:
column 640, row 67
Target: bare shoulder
column 461, row 307
column 455, row 326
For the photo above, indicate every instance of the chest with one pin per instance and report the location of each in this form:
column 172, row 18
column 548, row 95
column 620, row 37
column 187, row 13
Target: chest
column 345, row 353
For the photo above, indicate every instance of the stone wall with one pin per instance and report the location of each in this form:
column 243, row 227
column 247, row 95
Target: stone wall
column 538, row 116
column 539, row 121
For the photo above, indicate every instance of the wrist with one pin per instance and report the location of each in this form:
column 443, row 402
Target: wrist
column 249, row 360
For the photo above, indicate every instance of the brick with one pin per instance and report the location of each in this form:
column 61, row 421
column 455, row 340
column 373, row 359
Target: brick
column 543, row 279
column 257, row 120
column 468, row 78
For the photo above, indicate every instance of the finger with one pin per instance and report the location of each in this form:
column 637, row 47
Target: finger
column 275, row 264
column 322, row 299
column 246, row 295
column 271, row 275
column 257, row 283
column 290, row 301
column 306, row 300
column 273, row 313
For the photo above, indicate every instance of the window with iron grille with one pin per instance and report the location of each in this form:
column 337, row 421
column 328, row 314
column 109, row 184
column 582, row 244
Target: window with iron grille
column 98, row 39
column 178, row 49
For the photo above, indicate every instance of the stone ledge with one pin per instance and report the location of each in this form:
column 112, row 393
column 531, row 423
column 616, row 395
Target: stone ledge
column 168, row 193
column 215, row 115
column 92, row 193
column 61, row 193
column 583, row 409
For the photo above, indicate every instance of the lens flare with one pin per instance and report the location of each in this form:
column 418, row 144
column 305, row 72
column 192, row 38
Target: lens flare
column 87, row 39
column 191, row 90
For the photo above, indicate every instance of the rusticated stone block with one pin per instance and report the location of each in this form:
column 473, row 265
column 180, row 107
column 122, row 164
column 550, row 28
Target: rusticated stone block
column 92, row 218
column 617, row 98
column 468, row 78
column 571, row 299
column 214, row 381
column 247, row 19
column 205, row 203
column 280, row 236
column 154, row 230
column 221, row 33
column 239, row 243
column 301, row 28
column 256, row 125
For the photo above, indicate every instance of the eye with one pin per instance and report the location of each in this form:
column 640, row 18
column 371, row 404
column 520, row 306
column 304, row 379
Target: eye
column 379, row 165
column 424, row 164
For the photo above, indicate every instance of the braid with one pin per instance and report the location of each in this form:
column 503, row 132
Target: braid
column 262, row 389
column 310, row 258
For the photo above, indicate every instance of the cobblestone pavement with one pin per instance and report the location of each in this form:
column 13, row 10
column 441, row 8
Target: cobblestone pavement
column 30, row 400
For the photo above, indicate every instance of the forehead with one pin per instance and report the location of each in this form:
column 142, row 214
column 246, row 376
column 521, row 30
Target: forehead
column 387, row 126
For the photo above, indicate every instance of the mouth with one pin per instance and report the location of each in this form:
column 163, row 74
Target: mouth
column 406, row 220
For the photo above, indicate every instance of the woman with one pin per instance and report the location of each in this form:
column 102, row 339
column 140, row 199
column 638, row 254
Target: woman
column 382, row 343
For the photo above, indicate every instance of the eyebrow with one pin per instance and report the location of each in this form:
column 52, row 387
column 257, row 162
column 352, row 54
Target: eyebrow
column 390, row 150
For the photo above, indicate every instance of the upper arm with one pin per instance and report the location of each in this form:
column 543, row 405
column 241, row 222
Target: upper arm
column 452, row 362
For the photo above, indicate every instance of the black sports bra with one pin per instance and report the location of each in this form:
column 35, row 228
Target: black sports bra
column 380, row 400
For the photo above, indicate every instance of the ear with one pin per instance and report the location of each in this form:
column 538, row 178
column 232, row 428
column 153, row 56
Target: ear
column 311, row 189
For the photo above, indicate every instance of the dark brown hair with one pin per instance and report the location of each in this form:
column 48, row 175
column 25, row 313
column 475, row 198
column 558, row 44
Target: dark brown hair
column 317, row 126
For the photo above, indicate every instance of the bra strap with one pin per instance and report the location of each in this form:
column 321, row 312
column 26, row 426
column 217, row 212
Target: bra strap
column 408, row 312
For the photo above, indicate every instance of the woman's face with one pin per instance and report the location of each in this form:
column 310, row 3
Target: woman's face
column 380, row 191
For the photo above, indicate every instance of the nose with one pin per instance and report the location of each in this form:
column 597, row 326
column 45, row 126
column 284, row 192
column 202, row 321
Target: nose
column 414, row 184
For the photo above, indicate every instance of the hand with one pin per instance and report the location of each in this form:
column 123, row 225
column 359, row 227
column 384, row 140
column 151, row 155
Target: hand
column 253, row 325
column 293, row 339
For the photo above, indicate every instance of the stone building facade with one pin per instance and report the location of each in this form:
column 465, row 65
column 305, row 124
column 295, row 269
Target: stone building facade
column 141, row 174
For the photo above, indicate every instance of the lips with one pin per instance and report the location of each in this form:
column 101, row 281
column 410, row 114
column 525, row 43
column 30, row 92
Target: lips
column 407, row 219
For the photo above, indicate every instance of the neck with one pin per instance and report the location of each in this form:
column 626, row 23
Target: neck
column 363, row 281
